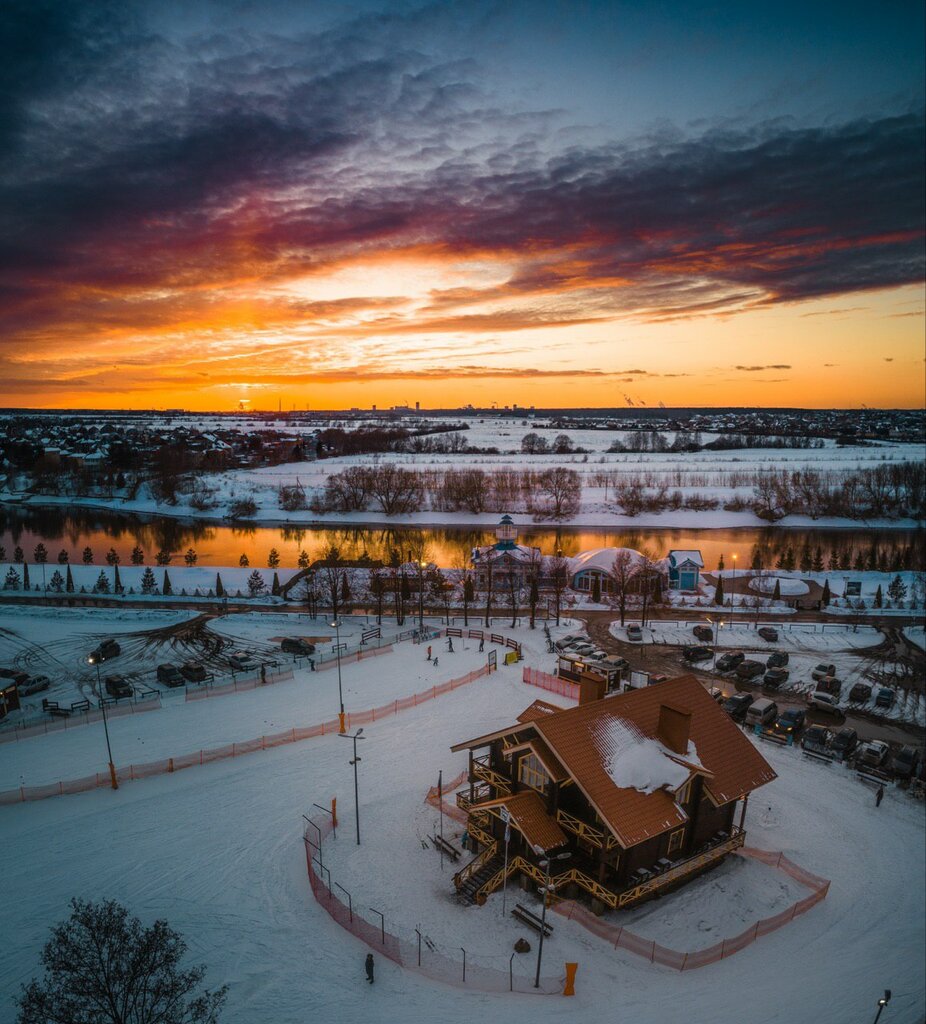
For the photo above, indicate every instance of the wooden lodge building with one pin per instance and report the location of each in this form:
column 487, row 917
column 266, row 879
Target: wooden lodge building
column 632, row 794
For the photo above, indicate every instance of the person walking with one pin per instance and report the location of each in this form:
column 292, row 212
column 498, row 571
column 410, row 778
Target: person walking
column 369, row 967
column 450, row 645
column 435, row 661
column 482, row 644
column 429, row 653
column 879, row 796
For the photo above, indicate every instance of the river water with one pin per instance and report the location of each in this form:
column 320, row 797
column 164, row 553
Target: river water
column 74, row 530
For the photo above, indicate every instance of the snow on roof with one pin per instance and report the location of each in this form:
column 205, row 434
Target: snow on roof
column 635, row 761
column 678, row 557
column 766, row 585
column 600, row 558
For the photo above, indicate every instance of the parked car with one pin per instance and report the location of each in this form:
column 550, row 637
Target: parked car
column 823, row 701
column 767, row 633
column 570, row 638
column 873, row 753
column 886, row 697
column 729, row 661
column 717, row 694
column 817, row 739
column 844, row 743
column 749, row 669
column 169, row 675
column 775, row 677
column 296, row 645
column 597, row 655
column 117, row 686
column 104, row 651
column 761, row 712
column 616, row 662
column 34, row 684
column 821, row 671
column 737, row 706
column 704, row 633
column 242, row 661
column 583, row 648
column 860, row 693
column 634, row 633
column 905, row 763
column 790, row 722
column 777, row 659
column 830, row 684
column 697, row 654
column 193, row 672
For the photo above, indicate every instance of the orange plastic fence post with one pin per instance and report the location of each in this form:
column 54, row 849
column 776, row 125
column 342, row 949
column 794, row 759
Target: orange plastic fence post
column 569, row 989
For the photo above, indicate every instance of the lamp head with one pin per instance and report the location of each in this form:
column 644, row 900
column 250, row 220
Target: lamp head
column 886, row 998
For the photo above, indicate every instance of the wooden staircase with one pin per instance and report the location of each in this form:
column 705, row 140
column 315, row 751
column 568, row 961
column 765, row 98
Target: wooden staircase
column 466, row 892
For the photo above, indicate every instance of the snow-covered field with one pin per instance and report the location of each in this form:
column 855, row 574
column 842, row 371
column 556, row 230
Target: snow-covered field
column 217, row 851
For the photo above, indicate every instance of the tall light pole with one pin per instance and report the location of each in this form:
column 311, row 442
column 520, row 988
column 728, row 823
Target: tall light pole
column 91, row 660
column 545, row 864
column 336, row 626
column 882, row 1002
column 358, row 735
column 421, row 565
column 733, row 593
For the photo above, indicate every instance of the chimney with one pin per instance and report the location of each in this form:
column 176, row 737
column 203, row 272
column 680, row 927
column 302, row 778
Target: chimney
column 592, row 687
column 674, row 728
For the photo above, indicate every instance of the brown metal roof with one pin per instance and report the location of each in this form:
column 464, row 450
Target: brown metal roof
column 539, row 709
column 734, row 764
column 529, row 816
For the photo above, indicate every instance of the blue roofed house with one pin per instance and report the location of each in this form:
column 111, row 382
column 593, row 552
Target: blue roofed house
column 685, row 570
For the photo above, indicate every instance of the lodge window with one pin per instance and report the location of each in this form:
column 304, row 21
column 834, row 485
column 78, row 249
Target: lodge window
column 532, row 773
column 675, row 840
column 684, row 794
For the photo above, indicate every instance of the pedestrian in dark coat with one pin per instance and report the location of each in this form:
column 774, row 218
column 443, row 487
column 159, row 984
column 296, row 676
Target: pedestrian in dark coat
column 482, row 644
column 450, row 645
column 879, row 796
column 369, row 967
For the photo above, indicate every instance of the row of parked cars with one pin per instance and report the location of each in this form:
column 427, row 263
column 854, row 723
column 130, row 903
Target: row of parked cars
column 25, row 683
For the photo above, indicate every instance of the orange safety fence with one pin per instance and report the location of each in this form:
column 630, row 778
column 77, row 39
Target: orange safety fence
column 451, row 810
column 200, row 757
column 565, row 688
column 622, row 938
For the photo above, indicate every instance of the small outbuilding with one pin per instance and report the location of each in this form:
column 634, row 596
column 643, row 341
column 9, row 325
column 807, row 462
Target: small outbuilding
column 685, row 570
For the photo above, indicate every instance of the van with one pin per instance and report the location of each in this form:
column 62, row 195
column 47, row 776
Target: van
column 762, row 712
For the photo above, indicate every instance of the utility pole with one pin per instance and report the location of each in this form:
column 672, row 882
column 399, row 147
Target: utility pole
column 358, row 735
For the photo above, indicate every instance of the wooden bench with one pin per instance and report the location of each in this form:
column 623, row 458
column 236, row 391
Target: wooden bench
column 532, row 920
column 441, row 845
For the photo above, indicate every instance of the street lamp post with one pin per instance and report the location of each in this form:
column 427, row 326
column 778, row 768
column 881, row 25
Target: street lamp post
column 99, row 689
column 358, row 735
column 882, row 1002
column 421, row 567
column 336, row 626
column 548, row 888
column 733, row 593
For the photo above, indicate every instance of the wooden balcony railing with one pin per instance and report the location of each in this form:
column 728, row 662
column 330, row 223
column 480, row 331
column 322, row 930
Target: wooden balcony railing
column 583, row 830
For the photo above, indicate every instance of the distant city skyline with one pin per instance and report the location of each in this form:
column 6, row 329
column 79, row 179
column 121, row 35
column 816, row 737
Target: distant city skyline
column 547, row 204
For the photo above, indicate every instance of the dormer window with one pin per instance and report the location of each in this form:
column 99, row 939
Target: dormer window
column 532, row 773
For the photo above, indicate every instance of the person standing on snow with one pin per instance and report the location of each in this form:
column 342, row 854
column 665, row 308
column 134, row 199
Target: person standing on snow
column 879, row 796
column 369, row 967
column 429, row 653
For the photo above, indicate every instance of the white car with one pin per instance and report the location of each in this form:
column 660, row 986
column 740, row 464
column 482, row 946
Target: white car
column 634, row 633
column 874, row 753
column 823, row 701
column 242, row 661
column 583, row 649
column 567, row 641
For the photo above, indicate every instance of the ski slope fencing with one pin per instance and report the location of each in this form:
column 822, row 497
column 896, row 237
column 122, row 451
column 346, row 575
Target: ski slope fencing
column 564, row 687
column 623, row 938
column 78, row 719
column 416, row 951
column 436, row 798
column 201, row 757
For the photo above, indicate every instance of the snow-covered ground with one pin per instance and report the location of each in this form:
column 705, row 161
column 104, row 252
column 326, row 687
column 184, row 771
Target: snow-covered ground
column 217, row 851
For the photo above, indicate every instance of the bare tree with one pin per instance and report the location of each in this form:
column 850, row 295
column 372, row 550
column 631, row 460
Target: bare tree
column 513, row 593
column 649, row 582
column 335, row 580
column 377, row 583
column 104, row 967
column 396, row 490
column 534, row 572
column 561, row 491
column 559, row 580
column 623, row 570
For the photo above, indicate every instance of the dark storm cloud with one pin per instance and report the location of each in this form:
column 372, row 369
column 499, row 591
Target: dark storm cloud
column 139, row 168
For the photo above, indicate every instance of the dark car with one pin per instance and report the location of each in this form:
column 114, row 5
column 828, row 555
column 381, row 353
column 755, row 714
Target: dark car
column 860, row 694
column 905, row 763
column 775, row 677
column 749, row 669
column 106, row 650
column 737, row 706
column 777, row 659
column 169, row 675
column 767, row 633
column 296, row 645
column 817, row 739
column 790, row 722
column 193, row 671
column 697, row 654
column 117, row 686
column 886, row 697
column 830, row 684
column 704, row 633
column 844, row 743
column 727, row 662
column 822, row 671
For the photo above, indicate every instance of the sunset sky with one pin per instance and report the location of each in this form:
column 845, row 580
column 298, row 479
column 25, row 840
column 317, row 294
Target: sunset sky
column 332, row 204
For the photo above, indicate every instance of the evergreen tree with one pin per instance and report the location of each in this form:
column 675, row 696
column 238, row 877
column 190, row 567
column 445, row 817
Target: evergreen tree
column 18, row 554
column 818, row 560
column 718, row 592
column 40, row 555
column 63, row 557
column 191, row 558
column 275, row 586
column 26, row 584
column 345, row 592
column 845, row 559
column 57, row 582
column 219, row 589
column 87, row 555
column 304, row 560
column 859, row 563
column 102, row 584
column 884, row 563
column 112, row 557
column 163, row 557
column 256, row 585
column 69, row 581
column 243, row 561
column 833, row 564
column 148, row 583
column 138, row 556
column 469, row 595
column 806, row 563
column 776, row 595
column 166, row 588
column 897, row 591
column 117, row 582
column 789, row 560
column 780, row 561
column 720, row 562
column 12, row 581
column 826, row 594
column 897, row 564
column 871, row 559
column 756, row 558
column 273, row 559
column 2, row 553
column 879, row 597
